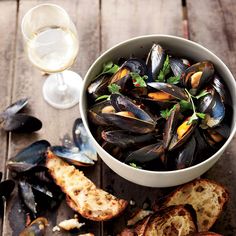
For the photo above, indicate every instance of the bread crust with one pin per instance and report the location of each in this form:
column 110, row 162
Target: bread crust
column 203, row 195
column 82, row 194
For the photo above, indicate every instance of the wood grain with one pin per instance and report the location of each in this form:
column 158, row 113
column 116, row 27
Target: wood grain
column 214, row 28
column 121, row 20
column 7, row 45
column 28, row 82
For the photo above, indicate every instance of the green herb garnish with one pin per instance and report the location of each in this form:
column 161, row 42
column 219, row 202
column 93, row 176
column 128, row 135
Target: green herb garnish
column 114, row 88
column 135, row 166
column 173, row 80
column 138, row 81
column 185, row 105
column 164, row 71
column 109, row 68
column 102, row 97
column 202, row 94
column 166, row 113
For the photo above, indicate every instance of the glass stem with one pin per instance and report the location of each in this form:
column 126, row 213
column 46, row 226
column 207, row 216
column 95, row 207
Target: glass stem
column 62, row 87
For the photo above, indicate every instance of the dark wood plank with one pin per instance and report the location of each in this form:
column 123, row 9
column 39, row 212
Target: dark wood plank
column 7, row 44
column 212, row 24
column 28, row 82
column 122, row 20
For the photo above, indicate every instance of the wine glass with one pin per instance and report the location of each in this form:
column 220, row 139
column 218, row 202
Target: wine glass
column 52, row 46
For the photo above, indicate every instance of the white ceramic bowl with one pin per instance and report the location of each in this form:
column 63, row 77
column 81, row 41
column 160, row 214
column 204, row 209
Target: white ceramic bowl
column 140, row 46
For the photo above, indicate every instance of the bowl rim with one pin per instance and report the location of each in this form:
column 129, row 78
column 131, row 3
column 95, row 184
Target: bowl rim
column 163, row 36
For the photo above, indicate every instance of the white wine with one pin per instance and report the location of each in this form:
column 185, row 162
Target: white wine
column 53, row 49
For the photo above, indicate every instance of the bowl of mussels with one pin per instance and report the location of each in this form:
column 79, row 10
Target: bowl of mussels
column 159, row 109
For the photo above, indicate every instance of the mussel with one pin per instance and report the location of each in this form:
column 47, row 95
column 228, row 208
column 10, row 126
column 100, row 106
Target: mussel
column 129, row 116
column 29, row 157
column 155, row 61
column 36, row 228
column 82, row 140
column 213, row 106
column 178, row 66
column 73, row 156
column 149, row 157
column 167, row 92
column 197, row 76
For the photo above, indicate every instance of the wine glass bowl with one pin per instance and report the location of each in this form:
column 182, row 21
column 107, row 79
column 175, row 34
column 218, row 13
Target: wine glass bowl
column 52, row 46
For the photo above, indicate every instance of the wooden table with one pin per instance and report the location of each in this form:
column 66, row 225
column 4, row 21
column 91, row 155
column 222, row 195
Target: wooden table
column 101, row 24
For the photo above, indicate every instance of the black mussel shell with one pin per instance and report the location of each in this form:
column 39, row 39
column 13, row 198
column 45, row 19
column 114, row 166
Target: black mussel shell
column 73, row 156
column 14, row 108
column 36, row 228
column 170, row 125
column 171, row 89
column 21, row 123
column 125, row 139
column 27, row 195
column 99, row 86
column 194, row 81
column 177, row 66
column 136, row 65
column 213, row 106
column 82, row 140
column 151, row 156
column 155, row 61
column 186, row 155
column 94, row 113
column 6, row 188
column 29, row 157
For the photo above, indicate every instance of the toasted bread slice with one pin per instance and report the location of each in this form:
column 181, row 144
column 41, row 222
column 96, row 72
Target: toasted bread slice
column 138, row 216
column 83, row 196
column 207, row 198
column 171, row 221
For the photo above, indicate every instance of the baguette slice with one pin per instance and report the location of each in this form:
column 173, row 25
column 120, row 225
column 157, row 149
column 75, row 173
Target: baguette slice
column 174, row 220
column 82, row 194
column 206, row 197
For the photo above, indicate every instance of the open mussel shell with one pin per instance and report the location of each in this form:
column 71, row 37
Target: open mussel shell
column 29, row 157
column 186, row 132
column 178, row 66
column 186, row 155
column 21, row 123
column 173, row 90
column 213, row 106
column 155, row 61
column 170, row 125
column 82, row 140
column 126, row 139
column 94, row 113
column 27, row 195
column 197, row 76
column 139, row 122
column 36, row 228
column 14, row 108
column 73, row 156
column 6, row 188
column 148, row 157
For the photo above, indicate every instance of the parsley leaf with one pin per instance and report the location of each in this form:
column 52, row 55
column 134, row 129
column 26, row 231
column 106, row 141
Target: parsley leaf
column 135, row 166
column 192, row 119
column 109, row 68
column 202, row 94
column 201, row 115
column 138, row 81
column 166, row 113
column 185, row 105
column 102, row 97
column 164, row 71
column 114, row 88
column 173, row 80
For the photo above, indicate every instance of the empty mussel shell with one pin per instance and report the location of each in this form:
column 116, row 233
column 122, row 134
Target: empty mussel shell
column 29, row 157
column 73, row 156
column 14, row 108
column 82, row 140
column 21, row 123
column 36, row 228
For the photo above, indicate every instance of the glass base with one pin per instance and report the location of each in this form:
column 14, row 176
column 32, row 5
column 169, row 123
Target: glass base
column 64, row 95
